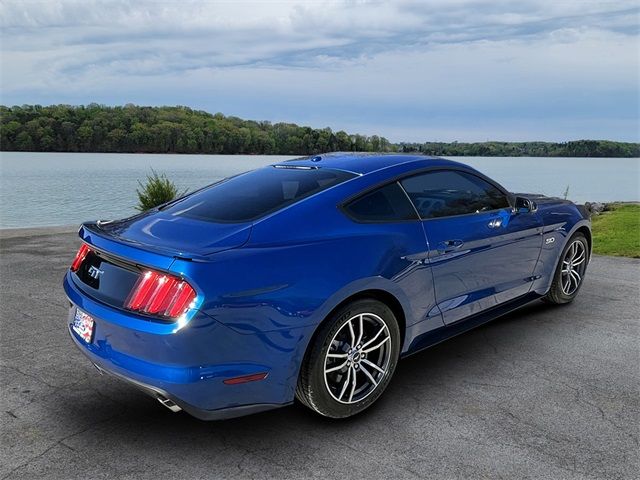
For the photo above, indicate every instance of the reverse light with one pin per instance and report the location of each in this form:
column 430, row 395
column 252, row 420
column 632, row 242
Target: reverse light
column 80, row 256
column 160, row 294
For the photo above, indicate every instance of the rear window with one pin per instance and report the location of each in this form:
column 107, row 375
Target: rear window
column 254, row 194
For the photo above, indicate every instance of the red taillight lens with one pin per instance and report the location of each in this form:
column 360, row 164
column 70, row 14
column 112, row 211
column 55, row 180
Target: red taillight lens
column 80, row 256
column 160, row 294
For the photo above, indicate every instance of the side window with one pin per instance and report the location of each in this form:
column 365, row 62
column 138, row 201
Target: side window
column 385, row 204
column 447, row 193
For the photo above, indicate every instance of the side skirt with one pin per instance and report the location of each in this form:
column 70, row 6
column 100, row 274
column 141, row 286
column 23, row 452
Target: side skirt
column 434, row 337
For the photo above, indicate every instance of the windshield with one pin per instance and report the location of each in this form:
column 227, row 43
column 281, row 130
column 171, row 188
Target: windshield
column 254, row 194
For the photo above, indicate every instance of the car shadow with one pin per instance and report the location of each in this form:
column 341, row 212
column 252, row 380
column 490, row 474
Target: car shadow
column 127, row 410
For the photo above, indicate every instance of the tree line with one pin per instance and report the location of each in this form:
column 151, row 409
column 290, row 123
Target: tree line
column 577, row 148
column 137, row 129
column 134, row 129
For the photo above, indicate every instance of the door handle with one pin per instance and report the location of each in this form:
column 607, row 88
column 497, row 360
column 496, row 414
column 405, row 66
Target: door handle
column 449, row 245
column 495, row 223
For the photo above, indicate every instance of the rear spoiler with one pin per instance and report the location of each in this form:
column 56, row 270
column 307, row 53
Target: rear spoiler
column 93, row 234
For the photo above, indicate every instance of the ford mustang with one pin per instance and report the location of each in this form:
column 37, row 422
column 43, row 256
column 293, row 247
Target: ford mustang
column 311, row 278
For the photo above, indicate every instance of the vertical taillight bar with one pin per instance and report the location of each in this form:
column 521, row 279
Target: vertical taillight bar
column 80, row 256
column 161, row 294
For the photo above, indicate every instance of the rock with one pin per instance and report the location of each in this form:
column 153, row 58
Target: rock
column 595, row 207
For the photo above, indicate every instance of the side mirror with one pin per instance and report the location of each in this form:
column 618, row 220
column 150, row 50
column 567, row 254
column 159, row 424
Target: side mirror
column 524, row 205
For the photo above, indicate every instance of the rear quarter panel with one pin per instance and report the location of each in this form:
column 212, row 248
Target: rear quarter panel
column 270, row 287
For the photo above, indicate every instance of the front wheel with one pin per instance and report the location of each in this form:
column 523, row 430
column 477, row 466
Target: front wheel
column 570, row 271
column 351, row 360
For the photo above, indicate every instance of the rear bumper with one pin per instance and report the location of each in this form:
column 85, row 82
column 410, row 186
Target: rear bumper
column 188, row 365
column 171, row 401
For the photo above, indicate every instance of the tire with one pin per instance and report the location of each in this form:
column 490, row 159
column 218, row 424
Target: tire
column 559, row 293
column 334, row 394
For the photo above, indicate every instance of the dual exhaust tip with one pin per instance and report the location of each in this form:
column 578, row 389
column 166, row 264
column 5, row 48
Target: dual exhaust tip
column 170, row 404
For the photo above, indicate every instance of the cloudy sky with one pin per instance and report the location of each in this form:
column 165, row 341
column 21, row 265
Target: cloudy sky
column 409, row 70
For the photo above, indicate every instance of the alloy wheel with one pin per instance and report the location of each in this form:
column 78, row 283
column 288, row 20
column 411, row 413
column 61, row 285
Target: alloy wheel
column 574, row 265
column 358, row 358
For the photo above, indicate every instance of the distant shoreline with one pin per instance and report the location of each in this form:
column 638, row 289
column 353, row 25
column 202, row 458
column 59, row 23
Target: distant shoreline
column 130, row 128
column 301, row 155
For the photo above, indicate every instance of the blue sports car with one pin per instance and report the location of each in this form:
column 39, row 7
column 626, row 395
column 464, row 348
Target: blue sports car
column 311, row 278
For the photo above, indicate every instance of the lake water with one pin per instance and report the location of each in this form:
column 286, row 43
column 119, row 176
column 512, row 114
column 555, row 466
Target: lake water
column 46, row 189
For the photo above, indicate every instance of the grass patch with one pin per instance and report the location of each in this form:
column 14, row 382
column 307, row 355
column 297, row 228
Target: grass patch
column 617, row 232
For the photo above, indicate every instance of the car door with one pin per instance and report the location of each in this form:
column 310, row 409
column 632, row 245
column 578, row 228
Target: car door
column 481, row 252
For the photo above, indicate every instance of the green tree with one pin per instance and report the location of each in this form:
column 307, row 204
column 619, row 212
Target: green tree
column 131, row 128
column 24, row 142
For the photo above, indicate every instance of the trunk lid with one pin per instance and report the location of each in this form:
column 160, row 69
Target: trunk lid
column 173, row 236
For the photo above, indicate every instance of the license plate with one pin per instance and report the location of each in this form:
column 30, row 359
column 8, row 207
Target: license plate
column 83, row 325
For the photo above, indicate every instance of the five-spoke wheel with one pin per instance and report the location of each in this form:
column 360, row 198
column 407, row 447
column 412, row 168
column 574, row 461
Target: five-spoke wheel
column 357, row 358
column 351, row 359
column 574, row 265
column 570, row 270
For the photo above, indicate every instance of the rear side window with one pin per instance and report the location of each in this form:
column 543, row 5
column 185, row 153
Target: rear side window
column 385, row 204
column 447, row 193
column 254, row 194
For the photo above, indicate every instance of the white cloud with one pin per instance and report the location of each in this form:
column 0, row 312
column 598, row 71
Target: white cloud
column 389, row 65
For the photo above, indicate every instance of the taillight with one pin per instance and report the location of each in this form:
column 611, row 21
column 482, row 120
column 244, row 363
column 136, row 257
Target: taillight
column 80, row 256
column 160, row 294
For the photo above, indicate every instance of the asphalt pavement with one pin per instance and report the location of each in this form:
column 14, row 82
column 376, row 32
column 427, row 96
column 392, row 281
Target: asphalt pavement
column 545, row 392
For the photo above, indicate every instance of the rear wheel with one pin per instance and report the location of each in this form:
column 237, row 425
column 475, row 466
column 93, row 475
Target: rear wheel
column 351, row 360
column 570, row 271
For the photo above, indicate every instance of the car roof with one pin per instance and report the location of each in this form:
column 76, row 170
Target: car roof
column 364, row 163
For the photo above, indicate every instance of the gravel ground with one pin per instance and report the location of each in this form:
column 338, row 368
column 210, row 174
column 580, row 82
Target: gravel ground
column 545, row 392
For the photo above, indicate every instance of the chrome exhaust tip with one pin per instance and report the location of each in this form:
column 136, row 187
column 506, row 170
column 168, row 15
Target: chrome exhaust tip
column 169, row 404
